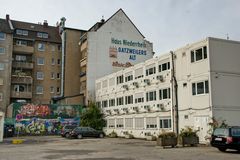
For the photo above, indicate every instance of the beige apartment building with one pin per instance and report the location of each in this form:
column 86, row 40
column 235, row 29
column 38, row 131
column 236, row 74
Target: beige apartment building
column 6, row 42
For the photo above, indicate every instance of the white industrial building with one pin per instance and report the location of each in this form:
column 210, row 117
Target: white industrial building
column 153, row 96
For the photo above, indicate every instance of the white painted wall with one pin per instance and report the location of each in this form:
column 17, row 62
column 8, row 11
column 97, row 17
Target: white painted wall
column 99, row 62
column 1, row 126
column 225, row 80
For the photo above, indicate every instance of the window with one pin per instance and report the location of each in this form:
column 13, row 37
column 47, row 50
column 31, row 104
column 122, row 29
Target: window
column 151, row 96
column 52, row 48
column 41, row 47
column 21, row 43
column 19, row 88
column 2, row 50
column 138, row 73
column 98, row 104
column 199, row 54
column 200, row 88
column 42, row 35
column 58, row 89
column 21, row 58
column 164, row 67
column 139, row 100
column 53, row 61
column 165, row 123
column 40, row 75
column 119, row 101
column 52, row 75
column 129, row 99
column 129, row 123
column 58, row 61
column 1, row 81
column 59, row 47
column 1, row 66
column 40, row 61
column 164, row 93
column 104, row 104
column 151, row 122
column 150, row 71
column 111, row 102
column 39, row 90
column 139, row 123
column 2, row 36
column 111, row 123
column 111, row 81
column 129, row 78
column 119, row 122
column 120, row 79
column 51, row 89
column 22, row 32
column 1, row 96
column 58, row 75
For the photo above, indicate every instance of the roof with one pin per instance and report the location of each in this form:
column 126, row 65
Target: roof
column 100, row 24
column 53, row 32
column 4, row 27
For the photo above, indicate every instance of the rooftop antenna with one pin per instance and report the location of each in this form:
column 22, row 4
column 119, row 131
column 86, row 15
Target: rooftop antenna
column 102, row 20
column 227, row 36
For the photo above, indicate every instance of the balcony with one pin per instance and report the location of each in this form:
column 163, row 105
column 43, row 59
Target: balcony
column 24, row 65
column 22, row 79
column 26, row 94
column 23, row 49
column 83, row 62
column 82, row 74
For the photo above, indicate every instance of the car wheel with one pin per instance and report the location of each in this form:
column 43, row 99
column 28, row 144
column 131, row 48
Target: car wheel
column 101, row 135
column 222, row 149
column 67, row 135
column 79, row 136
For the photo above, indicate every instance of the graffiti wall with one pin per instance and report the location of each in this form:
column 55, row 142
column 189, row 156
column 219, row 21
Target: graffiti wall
column 48, row 119
column 38, row 126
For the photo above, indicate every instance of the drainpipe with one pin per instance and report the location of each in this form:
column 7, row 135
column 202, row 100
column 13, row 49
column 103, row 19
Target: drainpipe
column 175, row 88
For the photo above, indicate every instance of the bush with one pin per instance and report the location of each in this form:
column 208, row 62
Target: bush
column 188, row 132
column 167, row 135
column 113, row 134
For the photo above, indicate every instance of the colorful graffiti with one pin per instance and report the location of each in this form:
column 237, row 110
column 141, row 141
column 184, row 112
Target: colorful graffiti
column 45, row 111
column 38, row 126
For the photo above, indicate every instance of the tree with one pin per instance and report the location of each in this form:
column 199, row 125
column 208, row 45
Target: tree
column 92, row 117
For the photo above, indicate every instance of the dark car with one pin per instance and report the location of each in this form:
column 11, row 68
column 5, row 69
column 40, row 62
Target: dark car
column 65, row 132
column 81, row 132
column 226, row 138
column 8, row 130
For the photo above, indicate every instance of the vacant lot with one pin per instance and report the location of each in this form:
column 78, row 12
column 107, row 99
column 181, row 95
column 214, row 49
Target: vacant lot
column 55, row 147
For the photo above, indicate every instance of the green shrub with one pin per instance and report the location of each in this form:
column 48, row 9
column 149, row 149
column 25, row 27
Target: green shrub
column 167, row 135
column 188, row 132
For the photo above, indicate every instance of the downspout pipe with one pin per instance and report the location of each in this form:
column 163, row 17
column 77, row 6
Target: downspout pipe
column 63, row 62
column 175, row 85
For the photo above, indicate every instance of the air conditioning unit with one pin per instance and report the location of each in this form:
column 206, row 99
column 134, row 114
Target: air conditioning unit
column 160, row 106
column 147, row 81
column 147, row 107
column 135, row 84
column 160, row 77
column 125, row 86
column 135, row 109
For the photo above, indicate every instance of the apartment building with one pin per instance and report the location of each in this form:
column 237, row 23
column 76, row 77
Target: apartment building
column 186, row 87
column 107, row 47
column 6, row 43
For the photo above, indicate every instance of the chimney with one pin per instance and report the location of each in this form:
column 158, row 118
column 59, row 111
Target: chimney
column 7, row 17
column 45, row 23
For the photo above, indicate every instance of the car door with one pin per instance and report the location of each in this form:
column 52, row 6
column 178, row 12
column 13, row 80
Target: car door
column 93, row 132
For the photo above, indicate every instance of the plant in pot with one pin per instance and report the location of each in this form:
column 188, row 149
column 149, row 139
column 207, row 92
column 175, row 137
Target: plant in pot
column 167, row 139
column 150, row 137
column 189, row 136
column 113, row 135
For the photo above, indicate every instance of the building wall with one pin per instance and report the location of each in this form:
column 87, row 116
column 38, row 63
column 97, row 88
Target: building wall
column 52, row 51
column 5, row 74
column 72, row 69
column 104, row 45
column 225, row 79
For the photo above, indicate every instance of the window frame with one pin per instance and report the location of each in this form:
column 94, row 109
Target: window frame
column 38, row 61
column 162, row 124
column 3, row 50
column 195, row 91
column 3, row 37
column 203, row 54
column 40, row 75
column 39, row 88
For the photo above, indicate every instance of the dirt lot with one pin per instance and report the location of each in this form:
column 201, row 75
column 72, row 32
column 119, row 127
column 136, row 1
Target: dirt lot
column 55, row 147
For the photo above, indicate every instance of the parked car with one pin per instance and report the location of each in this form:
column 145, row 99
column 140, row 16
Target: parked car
column 65, row 132
column 81, row 132
column 226, row 138
column 8, row 130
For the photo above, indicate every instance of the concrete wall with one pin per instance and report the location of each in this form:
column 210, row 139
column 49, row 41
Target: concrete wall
column 5, row 74
column 225, row 79
column 72, row 69
column 99, row 43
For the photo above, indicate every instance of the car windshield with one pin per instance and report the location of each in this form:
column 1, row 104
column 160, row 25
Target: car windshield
column 70, row 127
column 236, row 132
column 221, row 132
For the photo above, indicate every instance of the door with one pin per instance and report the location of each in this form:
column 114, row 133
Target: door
column 201, row 124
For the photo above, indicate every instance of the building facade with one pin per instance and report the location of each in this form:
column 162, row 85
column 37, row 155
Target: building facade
column 107, row 47
column 6, row 45
column 187, row 87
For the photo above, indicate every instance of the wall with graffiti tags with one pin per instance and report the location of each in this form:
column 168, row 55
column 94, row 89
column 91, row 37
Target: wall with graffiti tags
column 31, row 119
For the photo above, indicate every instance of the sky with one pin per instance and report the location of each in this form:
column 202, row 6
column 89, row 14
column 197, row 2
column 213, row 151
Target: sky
column 168, row 24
